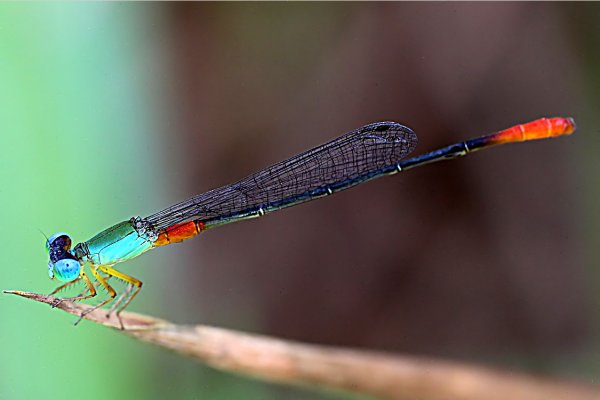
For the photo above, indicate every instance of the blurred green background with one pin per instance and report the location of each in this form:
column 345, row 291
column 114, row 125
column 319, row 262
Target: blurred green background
column 111, row 110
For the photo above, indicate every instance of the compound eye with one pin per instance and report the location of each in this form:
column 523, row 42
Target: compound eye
column 66, row 270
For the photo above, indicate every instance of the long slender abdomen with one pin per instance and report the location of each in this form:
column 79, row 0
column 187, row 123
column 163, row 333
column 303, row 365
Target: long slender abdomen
column 178, row 233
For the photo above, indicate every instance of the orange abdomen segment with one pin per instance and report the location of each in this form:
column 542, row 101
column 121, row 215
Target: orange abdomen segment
column 179, row 233
column 538, row 129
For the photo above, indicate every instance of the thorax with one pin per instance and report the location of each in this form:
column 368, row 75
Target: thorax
column 116, row 244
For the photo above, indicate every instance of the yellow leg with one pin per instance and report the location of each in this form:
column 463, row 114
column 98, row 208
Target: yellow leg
column 129, row 280
column 111, row 292
column 90, row 288
column 96, row 285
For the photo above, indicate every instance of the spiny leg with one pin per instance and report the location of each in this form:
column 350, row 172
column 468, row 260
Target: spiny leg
column 96, row 285
column 64, row 286
column 126, row 278
column 119, row 300
column 90, row 288
column 111, row 292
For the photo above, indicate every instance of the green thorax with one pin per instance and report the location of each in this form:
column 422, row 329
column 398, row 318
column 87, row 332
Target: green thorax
column 118, row 243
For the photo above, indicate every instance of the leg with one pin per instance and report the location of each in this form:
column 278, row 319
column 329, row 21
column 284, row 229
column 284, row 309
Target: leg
column 126, row 278
column 90, row 289
column 119, row 300
column 96, row 285
column 64, row 286
column 111, row 292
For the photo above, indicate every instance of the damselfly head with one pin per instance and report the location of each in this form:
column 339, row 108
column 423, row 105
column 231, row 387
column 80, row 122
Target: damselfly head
column 62, row 265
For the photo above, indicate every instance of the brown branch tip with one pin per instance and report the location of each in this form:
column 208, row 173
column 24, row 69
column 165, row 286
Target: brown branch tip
column 360, row 372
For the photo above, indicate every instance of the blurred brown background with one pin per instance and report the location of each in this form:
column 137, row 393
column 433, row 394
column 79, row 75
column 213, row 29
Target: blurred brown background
column 490, row 258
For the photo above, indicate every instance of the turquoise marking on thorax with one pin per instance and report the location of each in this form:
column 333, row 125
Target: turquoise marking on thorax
column 118, row 243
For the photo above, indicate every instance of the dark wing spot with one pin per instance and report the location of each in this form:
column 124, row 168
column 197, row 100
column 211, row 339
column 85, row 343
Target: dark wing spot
column 382, row 127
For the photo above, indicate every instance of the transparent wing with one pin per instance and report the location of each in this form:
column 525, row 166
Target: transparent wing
column 354, row 157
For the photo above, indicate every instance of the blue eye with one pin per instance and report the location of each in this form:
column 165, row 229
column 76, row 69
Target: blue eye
column 66, row 270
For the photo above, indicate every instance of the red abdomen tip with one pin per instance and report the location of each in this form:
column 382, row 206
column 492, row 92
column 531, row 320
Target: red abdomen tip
column 563, row 126
column 547, row 127
column 539, row 129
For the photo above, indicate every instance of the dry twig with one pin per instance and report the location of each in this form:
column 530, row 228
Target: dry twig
column 369, row 373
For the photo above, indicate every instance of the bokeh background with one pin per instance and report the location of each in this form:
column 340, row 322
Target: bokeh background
column 110, row 110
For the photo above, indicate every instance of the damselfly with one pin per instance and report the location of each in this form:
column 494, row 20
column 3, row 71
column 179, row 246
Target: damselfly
column 361, row 155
